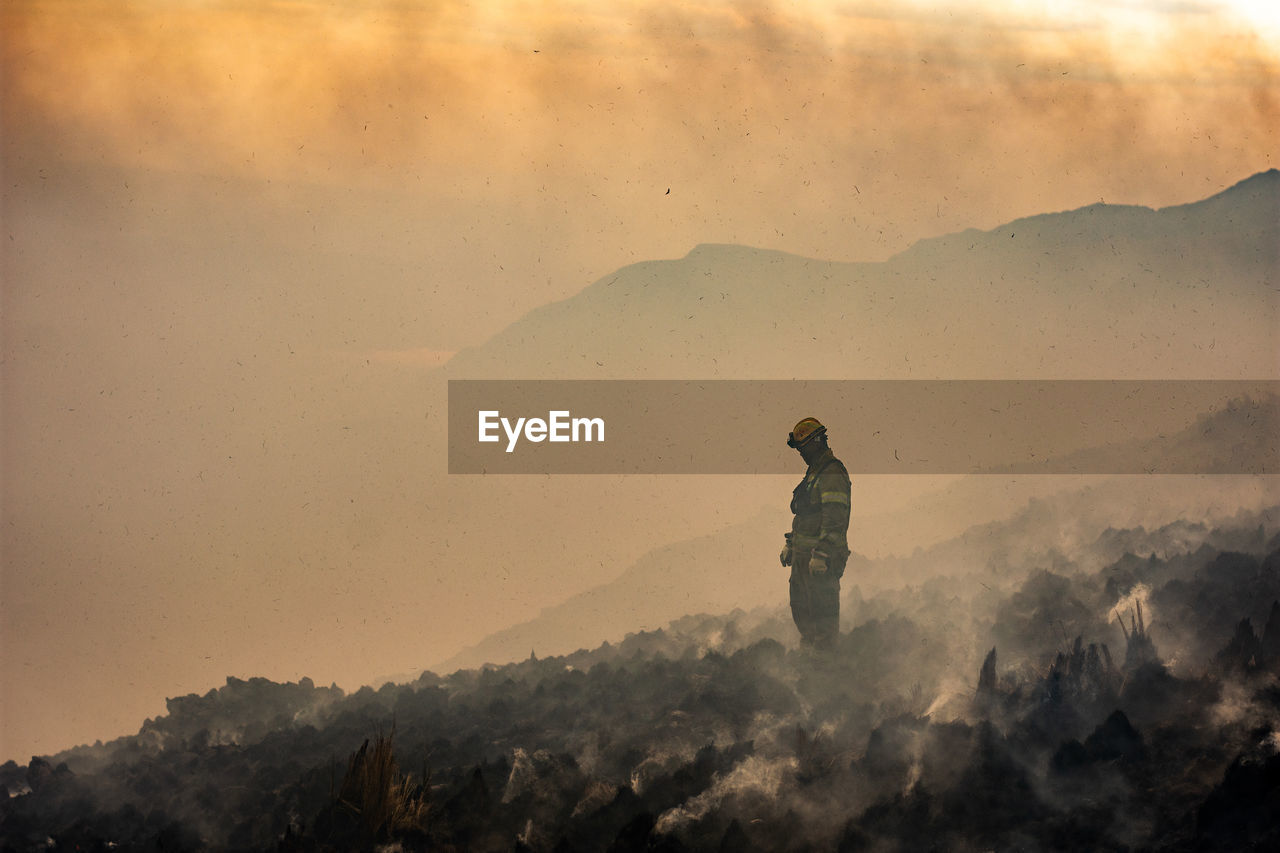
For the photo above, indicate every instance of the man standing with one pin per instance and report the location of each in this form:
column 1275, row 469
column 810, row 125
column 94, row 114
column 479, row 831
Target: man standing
column 817, row 546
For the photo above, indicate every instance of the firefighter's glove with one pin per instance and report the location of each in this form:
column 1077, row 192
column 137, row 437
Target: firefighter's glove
column 818, row 563
column 785, row 556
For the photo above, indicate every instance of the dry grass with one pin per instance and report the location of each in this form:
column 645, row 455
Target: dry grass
column 374, row 790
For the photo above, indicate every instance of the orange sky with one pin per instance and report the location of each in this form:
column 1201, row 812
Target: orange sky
column 863, row 126
column 226, row 222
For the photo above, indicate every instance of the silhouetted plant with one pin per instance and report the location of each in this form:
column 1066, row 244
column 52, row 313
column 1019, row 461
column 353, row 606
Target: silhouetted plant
column 375, row 792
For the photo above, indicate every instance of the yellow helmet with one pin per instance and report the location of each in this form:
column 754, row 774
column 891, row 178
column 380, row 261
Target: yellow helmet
column 804, row 432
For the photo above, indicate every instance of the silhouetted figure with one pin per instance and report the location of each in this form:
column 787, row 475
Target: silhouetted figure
column 817, row 548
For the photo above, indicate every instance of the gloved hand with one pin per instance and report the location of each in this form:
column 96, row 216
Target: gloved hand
column 785, row 556
column 818, row 563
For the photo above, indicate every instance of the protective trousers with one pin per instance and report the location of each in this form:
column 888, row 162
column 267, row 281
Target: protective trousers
column 815, row 601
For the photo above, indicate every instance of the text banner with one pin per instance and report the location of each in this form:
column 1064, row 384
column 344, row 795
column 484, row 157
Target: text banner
column 874, row 426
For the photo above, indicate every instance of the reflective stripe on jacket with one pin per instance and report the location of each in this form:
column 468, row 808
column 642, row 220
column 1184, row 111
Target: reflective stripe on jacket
column 821, row 506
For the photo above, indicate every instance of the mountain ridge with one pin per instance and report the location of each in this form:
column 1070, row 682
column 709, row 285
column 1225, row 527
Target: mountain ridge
column 1046, row 296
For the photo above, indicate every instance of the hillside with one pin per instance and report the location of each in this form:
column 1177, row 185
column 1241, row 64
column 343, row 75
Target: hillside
column 1024, row 717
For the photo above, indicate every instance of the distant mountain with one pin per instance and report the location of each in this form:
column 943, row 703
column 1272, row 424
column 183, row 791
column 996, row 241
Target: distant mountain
column 1233, row 225
column 1112, row 291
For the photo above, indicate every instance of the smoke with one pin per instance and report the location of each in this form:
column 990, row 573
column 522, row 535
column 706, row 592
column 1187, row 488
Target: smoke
column 214, row 209
column 660, row 763
column 718, row 732
column 755, row 775
column 830, row 110
column 1136, row 600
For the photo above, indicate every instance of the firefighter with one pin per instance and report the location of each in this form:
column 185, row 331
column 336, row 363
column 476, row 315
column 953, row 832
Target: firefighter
column 817, row 546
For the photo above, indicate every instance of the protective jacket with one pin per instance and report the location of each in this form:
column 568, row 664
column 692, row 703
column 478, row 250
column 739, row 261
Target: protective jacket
column 821, row 506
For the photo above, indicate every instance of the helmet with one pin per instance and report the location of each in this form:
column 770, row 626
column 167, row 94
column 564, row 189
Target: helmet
column 804, row 432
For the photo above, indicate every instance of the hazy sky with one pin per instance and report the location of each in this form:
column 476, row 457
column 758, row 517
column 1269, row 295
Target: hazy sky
column 517, row 151
column 228, row 226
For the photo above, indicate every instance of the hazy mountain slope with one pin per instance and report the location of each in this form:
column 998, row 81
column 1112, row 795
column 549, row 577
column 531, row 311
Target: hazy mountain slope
column 1017, row 718
column 1114, row 291
column 1052, row 521
column 1234, row 228
column 1239, row 437
column 1065, row 530
column 974, row 523
column 710, row 574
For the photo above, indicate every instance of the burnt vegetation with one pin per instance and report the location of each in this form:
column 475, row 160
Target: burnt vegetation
column 1115, row 704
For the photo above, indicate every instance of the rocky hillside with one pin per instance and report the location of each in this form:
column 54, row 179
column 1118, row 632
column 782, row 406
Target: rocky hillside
column 1134, row 704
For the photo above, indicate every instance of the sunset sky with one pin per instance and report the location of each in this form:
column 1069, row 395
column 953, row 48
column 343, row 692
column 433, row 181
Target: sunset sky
column 221, row 218
column 520, row 150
